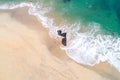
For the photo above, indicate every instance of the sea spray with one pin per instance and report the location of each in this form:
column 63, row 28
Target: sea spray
column 85, row 47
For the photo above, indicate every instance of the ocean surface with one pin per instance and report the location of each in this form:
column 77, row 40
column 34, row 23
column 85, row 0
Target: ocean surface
column 92, row 26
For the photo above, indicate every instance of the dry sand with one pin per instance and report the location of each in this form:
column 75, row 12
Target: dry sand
column 27, row 52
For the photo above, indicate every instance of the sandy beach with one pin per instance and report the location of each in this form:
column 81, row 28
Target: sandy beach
column 27, row 52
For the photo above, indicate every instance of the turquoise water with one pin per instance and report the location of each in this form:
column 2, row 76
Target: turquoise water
column 104, row 12
column 92, row 26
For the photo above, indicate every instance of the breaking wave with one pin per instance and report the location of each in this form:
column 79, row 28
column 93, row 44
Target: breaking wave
column 85, row 46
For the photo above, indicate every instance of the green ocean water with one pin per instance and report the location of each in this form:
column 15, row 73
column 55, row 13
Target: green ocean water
column 104, row 12
column 92, row 48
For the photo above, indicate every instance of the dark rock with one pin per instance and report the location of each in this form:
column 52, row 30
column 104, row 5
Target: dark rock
column 61, row 34
column 64, row 37
column 64, row 41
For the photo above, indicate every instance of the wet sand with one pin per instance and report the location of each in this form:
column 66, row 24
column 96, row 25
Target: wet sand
column 27, row 52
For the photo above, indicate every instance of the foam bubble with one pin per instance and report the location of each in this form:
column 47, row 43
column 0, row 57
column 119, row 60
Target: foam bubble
column 13, row 5
column 87, row 47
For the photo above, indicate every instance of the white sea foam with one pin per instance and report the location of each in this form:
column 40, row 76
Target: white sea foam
column 88, row 49
column 13, row 5
column 83, row 47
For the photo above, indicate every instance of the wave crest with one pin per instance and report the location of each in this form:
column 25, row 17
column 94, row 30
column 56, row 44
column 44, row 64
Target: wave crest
column 86, row 47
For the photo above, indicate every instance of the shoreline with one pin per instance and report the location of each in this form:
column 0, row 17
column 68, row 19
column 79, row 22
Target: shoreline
column 52, row 27
column 57, row 58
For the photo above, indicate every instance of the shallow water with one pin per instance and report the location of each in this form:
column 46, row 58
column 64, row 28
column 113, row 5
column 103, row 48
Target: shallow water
column 104, row 12
column 92, row 27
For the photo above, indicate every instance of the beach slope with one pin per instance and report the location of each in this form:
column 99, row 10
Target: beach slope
column 27, row 52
